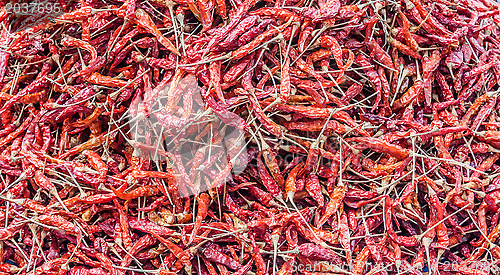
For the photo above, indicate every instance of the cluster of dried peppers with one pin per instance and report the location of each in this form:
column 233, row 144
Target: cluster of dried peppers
column 371, row 137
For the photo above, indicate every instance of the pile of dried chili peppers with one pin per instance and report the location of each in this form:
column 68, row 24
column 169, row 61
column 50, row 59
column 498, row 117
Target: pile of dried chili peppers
column 250, row 137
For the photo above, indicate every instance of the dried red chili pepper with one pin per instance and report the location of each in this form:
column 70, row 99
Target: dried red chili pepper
column 429, row 65
column 210, row 253
column 267, row 180
column 203, row 203
column 333, row 205
column 254, row 32
column 147, row 190
column 61, row 224
column 316, row 252
column 268, row 123
column 145, row 21
column 313, row 187
column 372, row 76
column 248, row 48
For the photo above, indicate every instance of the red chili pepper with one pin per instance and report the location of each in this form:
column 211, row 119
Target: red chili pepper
column 429, row 65
column 382, row 147
column 316, row 252
column 267, row 180
column 147, row 23
column 379, row 54
column 328, row 10
column 42, row 181
column 430, row 18
column 313, row 187
column 257, row 257
column 96, row 163
column 361, row 261
column 370, row 243
column 372, row 76
column 272, row 164
column 222, row 8
column 69, row 41
column 147, row 190
column 92, row 143
column 98, row 79
column 183, row 256
column 406, row 32
column 213, row 255
column 409, row 96
column 401, row 240
column 248, row 48
column 226, row 116
column 35, row 86
column 203, row 203
column 285, row 82
column 79, row 14
column 334, row 204
column 124, row 225
column 235, row 209
column 144, row 242
column 275, row 12
column 4, row 56
column 254, row 32
column 61, row 224
column 290, row 186
column 236, row 33
column 441, row 231
column 149, row 227
column 205, row 8
column 267, row 123
column 12, row 229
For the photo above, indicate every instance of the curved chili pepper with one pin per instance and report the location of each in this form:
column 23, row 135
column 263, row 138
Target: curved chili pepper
column 405, row 49
column 372, row 76
column 69, row 41
column 213, row 255
column 313, row 187
column 147, row 23
column 410, row 95
column 382, row 147
column 379, row 54
column 268, row 123
column 62, row 224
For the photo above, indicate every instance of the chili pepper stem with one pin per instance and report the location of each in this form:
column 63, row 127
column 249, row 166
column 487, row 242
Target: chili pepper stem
column 292, row 251
column 275, row 240
column 403, row 72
